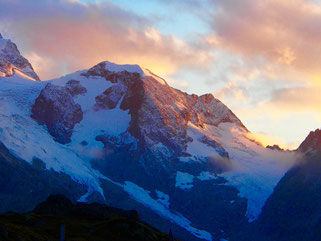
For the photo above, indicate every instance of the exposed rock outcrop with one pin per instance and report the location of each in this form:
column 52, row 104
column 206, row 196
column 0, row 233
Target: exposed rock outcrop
column 159, row 113
column 75, row 88
column 275, row 147
column 56, row 109
column 110, row 98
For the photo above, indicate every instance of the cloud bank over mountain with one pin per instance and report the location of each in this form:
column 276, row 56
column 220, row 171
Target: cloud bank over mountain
column 71, row 35
column 256, row 56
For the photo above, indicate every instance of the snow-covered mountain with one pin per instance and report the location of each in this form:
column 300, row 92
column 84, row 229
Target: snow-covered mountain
column 120, row 134
column 12, row 63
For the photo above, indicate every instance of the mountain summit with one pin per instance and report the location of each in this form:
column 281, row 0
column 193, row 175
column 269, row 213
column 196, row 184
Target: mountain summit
column 312, row 142
column 12, row 63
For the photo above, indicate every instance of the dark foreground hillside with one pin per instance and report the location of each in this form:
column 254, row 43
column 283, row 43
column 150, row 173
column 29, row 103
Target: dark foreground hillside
column 79, row 222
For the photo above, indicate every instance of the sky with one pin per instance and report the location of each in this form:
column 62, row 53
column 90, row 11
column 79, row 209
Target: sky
column 261, row 58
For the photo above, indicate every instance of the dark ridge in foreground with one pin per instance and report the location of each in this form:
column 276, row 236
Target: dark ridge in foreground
column 80, row 221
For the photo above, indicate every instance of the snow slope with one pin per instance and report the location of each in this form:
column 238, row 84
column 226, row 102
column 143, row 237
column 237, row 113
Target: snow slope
column 26, row 139
column 255, row 170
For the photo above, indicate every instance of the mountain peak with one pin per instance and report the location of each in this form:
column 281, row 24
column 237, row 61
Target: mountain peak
column 13, row 63
column 312, row 142
column 106, row 67
column 132, row 68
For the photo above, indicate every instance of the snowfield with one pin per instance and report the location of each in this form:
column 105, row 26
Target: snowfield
column 255, row 170
column 184, row 180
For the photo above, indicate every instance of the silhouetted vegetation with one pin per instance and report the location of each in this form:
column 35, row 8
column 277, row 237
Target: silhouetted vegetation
column 80, row 221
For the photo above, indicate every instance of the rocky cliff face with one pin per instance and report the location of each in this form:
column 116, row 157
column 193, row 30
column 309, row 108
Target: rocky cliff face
column 12, row 63
column 312, row 142
column 159, row 113
column 56, row 108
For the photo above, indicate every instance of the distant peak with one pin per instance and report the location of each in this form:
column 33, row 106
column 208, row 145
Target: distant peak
column 275, row 147
column 13, row 63
column 312, row 142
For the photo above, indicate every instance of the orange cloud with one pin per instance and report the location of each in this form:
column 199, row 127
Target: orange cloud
column 265, row 139
column 285, row 128
column 232, row 89
column 298, row 99
column 78, row 35
column 277, row 43
column 282, row 31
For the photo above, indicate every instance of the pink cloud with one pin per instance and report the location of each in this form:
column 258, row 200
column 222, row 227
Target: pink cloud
column 298, row 99
column 78, row 35
column 282, row 31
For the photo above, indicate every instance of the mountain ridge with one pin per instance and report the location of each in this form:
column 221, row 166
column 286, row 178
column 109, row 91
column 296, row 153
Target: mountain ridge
column 12, row 63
